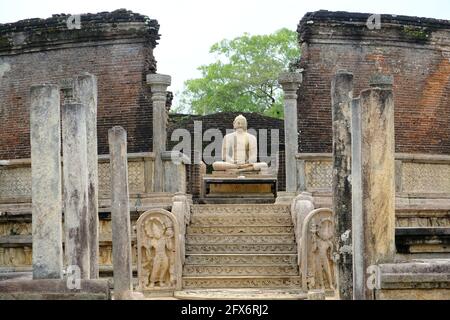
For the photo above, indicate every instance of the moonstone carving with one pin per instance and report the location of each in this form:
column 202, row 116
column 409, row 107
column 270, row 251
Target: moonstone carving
column 159, row 266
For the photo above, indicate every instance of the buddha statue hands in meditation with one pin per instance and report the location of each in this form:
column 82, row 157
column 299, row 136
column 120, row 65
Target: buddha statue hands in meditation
column 240, row 150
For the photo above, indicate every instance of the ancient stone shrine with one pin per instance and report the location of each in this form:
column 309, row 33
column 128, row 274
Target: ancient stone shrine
column 97, row 203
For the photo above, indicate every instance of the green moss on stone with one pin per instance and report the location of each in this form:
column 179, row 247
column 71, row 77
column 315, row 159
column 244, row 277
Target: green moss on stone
column 417, row 33
column 4, row 42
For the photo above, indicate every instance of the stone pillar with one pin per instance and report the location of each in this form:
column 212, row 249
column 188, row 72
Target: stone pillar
column 120, row 212
column 75, row 187
column 341, row 101
column 85, row 91
column 45, row 136
column 290, row 82
column 159, row 84
column 373, row 183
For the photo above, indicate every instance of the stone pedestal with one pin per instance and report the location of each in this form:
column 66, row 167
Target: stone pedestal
column 341, row 101
column 85, row 92
column 290, row 82
column 373, row 184
column 75, row 191
column 45, row 136
column 237, row 189
column 120, row 212
column 159, row 84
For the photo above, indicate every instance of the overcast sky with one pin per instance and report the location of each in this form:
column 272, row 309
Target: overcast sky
column 190, row 27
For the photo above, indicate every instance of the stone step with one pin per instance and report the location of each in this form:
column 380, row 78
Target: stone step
column 260, row 248
column 270, row 282
column 241, row 259
column 240, row 209
column 240, row 270
column 229, row 221
column 241, row 294
column 238, row 229
column 244, row 238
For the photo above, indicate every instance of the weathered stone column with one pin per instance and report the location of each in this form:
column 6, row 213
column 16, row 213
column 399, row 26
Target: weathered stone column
column 85, row 92
column 341, row 101
column 159, row 84
column 45, row 134
column 120, row 212
column 75, row 187
column 290, row 81
column 373, row 183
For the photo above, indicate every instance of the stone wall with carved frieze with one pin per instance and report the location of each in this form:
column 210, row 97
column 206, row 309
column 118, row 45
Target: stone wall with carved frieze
column 15, row 178
column 415, row 173
column 425, row 177
column 422, row 186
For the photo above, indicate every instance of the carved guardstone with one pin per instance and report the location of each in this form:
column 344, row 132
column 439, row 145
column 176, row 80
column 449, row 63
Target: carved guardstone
column 159, row 262
column 317, row 246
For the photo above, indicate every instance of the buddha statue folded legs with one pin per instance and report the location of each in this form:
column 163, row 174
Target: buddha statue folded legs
column 239, row 150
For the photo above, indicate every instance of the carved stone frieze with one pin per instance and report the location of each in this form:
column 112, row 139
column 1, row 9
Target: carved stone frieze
column 251, row 282
column 318, row 174
column 15, row 256
column 241, row 248
column 15, row 182
column 241, row 259
column 136, row 177
column 249, row 221
column 241, row 239
column 230, row 230
column 244, row 209
column 15, row 228
column 249, row 270
column 425, row 178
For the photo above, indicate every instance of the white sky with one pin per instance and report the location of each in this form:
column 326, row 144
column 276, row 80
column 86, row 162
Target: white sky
column 188, row 28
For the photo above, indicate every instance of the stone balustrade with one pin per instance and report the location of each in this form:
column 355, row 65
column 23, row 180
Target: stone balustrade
column 417, row 175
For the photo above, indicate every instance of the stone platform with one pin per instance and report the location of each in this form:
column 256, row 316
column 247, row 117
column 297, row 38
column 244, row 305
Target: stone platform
column 228, row 188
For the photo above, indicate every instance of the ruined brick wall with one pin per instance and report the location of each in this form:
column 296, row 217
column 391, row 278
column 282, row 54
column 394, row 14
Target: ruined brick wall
column 117, row 47
column 224, row 121
column 415, row 50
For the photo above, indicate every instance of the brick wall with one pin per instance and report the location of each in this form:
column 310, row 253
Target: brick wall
column 224, row 121
column 37, row 51
column 415, row 50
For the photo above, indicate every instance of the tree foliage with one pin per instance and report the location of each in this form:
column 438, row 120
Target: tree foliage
column 244, row 75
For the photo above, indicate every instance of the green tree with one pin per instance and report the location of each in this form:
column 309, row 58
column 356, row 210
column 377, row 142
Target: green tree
column 244, row 75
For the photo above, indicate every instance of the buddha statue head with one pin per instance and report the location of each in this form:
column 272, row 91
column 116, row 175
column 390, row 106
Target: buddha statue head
column 240, row 123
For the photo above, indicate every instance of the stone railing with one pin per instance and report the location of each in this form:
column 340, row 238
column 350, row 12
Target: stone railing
column 416, row 174
column 15, row 177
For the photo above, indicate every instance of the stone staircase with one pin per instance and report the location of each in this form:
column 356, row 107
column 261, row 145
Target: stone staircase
column 240, row 246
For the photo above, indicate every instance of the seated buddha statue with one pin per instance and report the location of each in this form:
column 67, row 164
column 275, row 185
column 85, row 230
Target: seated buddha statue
column 240, row 150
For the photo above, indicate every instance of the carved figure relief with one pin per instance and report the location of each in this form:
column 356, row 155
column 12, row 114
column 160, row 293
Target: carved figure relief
column 158, row 251
column 322, row 249
column 317, row 265
column 15, row 257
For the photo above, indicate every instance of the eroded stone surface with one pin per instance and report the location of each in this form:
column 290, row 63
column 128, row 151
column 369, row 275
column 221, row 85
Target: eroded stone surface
column 75, row 188
column 46, row 182
column 341, row 101
column 120, row 211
